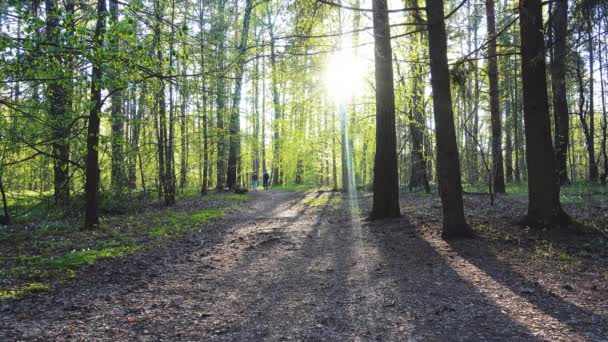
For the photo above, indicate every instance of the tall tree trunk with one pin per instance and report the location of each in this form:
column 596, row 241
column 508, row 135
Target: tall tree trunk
column 276, row 125
column 255, row 163
column 386, row 178
column 558, row 85
column 418, row 176
column 221, row 97
column 448, row 165
column 508, row 138
column 118, row 177
column 544, row 208
column 205, row 161
column 498, row 172
column 59, row 108
column 604, row 175
column 593, row 169
column 91, row 187
column 235, row 122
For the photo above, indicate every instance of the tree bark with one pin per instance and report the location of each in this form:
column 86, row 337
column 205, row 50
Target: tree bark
column 118, row 179
column 544, row 208
column 235, row 122
column 59, row 109
column 91, row 188
column 386, row 181
column 593, row 169
column 448, row 164
column 220, row 98
column 498, row 172
column 276, row 125
column 558, row 85
column 418, row 176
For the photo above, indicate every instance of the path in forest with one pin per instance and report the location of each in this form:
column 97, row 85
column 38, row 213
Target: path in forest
column 283, row 270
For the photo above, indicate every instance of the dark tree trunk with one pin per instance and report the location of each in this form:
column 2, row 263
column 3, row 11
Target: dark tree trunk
column 508, row 141
column 235, row 122
column 59, row 109
column 558, row 86
column 448, row 165
column 386, row 178
column 91, row 187
column 498, row 172
column 544, row 208
column 604, row 175
column 593, row 169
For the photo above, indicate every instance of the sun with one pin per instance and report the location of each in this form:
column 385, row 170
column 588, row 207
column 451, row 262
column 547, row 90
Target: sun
column 343, row 76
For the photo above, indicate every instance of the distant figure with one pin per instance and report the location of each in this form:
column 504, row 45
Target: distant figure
column 255, row 181
column 266, row 178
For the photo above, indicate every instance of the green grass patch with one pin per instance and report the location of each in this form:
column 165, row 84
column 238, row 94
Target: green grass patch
column 293, row 187
column 20, row 292
column 172, row 224
column 319, row 201
column 56, row 249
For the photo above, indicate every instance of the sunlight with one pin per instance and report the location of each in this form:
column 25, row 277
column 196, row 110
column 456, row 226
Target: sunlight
column 343, row 76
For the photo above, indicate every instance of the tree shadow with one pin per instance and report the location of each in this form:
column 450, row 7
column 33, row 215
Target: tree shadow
column 434, row 300
column 577, row 319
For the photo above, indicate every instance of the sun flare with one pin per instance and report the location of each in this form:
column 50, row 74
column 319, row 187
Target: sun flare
column 343, row 76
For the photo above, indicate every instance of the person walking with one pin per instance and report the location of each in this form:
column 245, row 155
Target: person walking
column 266, row 179
column 255, row 181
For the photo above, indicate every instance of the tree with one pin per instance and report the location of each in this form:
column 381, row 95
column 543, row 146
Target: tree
column 558, row 85
column 118, row 174
column 58, row 99
column 235, row 123
column 544, row 208
column 91, row 220
column 498, row 172
column 448, row 164
column 386, row 181
column 418, row 176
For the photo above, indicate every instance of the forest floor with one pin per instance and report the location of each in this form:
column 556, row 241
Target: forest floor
column 306, row 266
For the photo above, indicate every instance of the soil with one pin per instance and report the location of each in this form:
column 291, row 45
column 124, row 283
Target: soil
column 290, row 266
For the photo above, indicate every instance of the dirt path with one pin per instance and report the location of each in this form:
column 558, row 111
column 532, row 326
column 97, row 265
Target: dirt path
column 283, row 270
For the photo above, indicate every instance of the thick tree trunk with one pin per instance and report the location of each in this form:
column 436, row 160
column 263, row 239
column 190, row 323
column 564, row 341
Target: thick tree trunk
column 235, row 122
column 544, row 208
column 91, row 187
column 448, row 165
column 386, row 181
column 558, row 85
column 497, row 160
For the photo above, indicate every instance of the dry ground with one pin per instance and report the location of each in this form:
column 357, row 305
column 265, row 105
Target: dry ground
column 307, row 267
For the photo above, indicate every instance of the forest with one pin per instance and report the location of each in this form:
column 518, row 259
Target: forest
column 410, row 148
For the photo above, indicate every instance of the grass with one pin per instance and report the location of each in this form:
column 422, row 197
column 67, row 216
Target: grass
column 33, row 255
column 567, row 191
column 27, row 289
column 293, row 187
